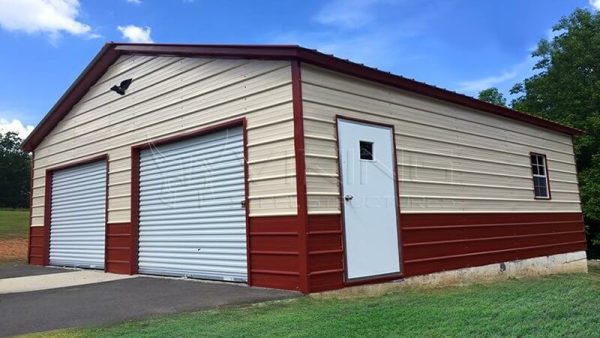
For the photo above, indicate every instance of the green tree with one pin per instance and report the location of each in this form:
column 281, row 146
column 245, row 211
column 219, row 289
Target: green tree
column 492, row 95
column 14, row 172
column 566, row 89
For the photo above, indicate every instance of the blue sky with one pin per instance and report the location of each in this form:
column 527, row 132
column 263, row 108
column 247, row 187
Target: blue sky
column 462, row 45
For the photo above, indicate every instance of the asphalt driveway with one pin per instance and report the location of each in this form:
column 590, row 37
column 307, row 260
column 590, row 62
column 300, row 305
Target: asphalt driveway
column 12, row 270
column 118, row 301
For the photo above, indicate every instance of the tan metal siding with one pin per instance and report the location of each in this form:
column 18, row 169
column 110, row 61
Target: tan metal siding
column 171, row 95
column 450, row 158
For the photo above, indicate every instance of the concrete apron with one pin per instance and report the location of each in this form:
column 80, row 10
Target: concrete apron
column 57, row 280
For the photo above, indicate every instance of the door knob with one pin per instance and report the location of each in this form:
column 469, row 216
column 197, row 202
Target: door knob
column 348, row 197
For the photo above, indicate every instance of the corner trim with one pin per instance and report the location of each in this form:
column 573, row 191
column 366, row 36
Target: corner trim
column 299, row 153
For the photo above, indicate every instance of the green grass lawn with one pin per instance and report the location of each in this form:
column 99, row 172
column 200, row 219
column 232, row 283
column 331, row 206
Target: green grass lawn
column 14, row 223
column 563, row 305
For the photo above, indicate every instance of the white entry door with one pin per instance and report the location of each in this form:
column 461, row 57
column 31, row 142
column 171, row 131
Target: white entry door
column 366, row 152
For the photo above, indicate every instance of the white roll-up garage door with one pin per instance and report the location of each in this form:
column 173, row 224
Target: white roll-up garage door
column 192, row 220
column 78, row 216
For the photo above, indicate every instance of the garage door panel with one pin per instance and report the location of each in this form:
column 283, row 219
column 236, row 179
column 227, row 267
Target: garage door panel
column 80, row 173
column 193, row 200
column 90, row 196
column 229, row 208
column 206, row 271
column 161, row 156
column 207, row 177
column 78, row 231
column 192, row 196
column 224, row 233
column 216, row 222
column 83, row 218
column 77, row 178
column 166, row 192
column 79, row 187
column 195, row 169
column 78, row 216
column 184, row 181
column 204, row 219
column 191, row 219
column 87, row 209
column 206, row 141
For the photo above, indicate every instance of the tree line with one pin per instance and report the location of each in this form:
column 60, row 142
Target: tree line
column 14, row 172
column 566, row 88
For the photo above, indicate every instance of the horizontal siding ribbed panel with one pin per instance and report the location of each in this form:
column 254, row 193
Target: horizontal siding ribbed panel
column 202, row 95
column 145, row 77
column 182, row 78
column 450, row 158
column 171, row 95
column 78, row 216
column 273, row 206
column 401, row 103
column 184, row 230
column 206, row 151
column 438, row 242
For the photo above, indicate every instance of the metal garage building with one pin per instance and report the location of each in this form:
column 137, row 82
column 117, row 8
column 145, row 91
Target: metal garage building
column 282, row 167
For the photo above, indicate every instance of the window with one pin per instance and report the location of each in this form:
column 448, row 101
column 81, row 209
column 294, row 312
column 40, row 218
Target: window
column 539, row 171
column 366, row 150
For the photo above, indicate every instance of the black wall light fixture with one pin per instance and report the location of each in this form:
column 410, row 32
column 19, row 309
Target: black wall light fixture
column 120, row 89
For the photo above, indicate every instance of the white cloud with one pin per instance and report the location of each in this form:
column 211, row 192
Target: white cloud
column 348, row 14
column 595, row 4
column 135, row 2
column 379, row 42
column 378, row 48
column 486, row 82
column 15, row 126
column 51, row 17
column 504, row 80
column 134, row 33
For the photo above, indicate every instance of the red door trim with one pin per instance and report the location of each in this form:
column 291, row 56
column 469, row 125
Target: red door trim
column 48, row 200
column 377, row 278
column 135, row 182
column 246, row 202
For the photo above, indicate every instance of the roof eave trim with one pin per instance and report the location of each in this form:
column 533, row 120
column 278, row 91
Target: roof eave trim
column 364, row 72
column 111, row 51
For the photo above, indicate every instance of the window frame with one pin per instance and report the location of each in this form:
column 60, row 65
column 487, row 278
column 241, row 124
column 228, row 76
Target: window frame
column 371, row 153
column 546, row 176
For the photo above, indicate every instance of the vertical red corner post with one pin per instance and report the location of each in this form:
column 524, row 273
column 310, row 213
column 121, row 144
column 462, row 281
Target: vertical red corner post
column 299, row 154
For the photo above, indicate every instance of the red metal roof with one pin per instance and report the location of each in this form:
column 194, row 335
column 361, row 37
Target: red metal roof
column 111, row 51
